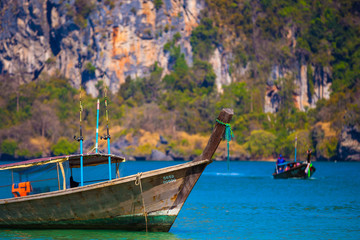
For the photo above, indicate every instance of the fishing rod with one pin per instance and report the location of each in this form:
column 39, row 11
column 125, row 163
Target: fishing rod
column 97, row 126
column 295, row 147
column 81, row 139
column 107, row 136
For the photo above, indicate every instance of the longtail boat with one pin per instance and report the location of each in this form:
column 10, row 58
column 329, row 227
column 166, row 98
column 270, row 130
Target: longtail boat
column 294, row 169
column 148, row 201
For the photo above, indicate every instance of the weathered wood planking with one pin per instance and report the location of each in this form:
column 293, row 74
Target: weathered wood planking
column 217, row 134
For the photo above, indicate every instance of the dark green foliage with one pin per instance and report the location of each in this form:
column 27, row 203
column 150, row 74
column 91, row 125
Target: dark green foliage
column 204, row 39
column 287, row 107
column 64, row 147
column 90, row 68
column 25, row 153
column 352, row 116
column 152, row 84
column 101, row 88
column 167, row 47
column 46, row 108
column 237, row 97
column 188, row 91
column 244, row 124
column 241, row 58
column 139, row 91
column 158, row 4
column 180, row 77
column 194, row 110
column 310, row 79
column 177, row 37
column 285, row 143
column 131, row 92
column 4, row 116
column 54, row 90
column 9, row 147
column 83, row 9
column 204, row 75
column 261, row 144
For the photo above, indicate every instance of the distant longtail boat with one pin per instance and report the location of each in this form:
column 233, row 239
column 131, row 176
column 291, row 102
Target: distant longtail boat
column 148, row 201
column 294, row 169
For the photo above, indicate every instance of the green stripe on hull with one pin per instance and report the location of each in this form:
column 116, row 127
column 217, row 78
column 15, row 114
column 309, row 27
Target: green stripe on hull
column 160, row 223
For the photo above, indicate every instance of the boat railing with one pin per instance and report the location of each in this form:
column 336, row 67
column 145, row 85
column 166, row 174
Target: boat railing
column 288, row 163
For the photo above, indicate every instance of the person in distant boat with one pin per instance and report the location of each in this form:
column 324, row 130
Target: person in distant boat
column 308, row 155
column 280, row 160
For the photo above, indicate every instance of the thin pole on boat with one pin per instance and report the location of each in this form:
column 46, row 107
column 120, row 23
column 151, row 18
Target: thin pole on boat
column 57, row 170
column 80, row 139
column 81, row 148
column 295, row 147
column 97, row 125
column 107, row 136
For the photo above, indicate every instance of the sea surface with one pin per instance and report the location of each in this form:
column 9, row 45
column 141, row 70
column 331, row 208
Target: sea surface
column 245, row 202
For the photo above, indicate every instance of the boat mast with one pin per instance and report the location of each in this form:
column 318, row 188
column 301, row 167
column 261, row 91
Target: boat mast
column 97, row 125
column 107, row 136
column 295, row 147
column 80, row 139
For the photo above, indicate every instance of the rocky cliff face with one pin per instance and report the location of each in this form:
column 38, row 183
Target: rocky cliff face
column 349, row 145
column 311, row 82
column 87, row 41
column 303, row 98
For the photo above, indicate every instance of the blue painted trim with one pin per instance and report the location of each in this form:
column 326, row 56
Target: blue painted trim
column 108, row 143
column 97, row 126
column 81, row 164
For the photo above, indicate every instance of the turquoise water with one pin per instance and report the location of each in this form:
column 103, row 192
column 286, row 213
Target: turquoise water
column 247, row 203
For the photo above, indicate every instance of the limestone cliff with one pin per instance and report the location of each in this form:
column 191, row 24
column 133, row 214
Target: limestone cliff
column 311, row 83
column 349, row 144
column 303, row 98
column 87, row 41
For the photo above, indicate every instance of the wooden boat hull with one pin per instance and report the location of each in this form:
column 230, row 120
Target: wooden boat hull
column 295, row 172
column 115, row 204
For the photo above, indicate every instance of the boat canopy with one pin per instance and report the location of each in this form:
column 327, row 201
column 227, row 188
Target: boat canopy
column 54, row 173
column 74, row 161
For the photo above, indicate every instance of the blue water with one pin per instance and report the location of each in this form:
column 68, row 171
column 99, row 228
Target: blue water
column 247, row 203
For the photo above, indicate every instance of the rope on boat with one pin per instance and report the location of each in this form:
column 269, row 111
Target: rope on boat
column 138, row 183
column 228, row 134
